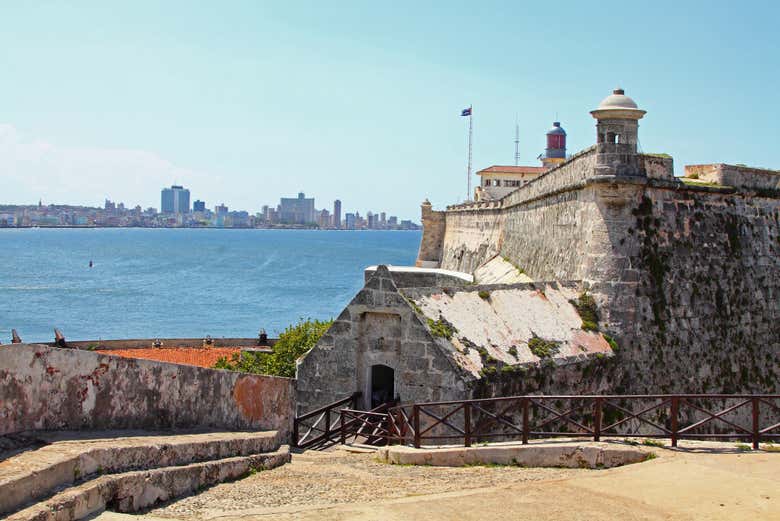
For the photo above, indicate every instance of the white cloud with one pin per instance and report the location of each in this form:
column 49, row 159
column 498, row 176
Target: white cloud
column 31, row 169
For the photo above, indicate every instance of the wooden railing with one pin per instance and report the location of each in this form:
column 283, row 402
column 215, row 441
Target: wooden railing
column 753, row 418
column 321, row 427
column 375, row 427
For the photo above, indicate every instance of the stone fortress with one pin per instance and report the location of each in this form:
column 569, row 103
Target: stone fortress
column 604, row 273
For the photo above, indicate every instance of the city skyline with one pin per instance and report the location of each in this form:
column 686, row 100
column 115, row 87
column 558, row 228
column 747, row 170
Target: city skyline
column 268, row 99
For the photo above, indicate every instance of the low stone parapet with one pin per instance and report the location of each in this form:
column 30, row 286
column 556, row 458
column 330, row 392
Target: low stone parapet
column 548, row 454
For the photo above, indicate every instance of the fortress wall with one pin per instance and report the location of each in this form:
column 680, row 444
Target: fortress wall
column 687, row 279
column 429, row 255
column 44, row 388
column 472, row 237
column 704, row 315
column 735, row 175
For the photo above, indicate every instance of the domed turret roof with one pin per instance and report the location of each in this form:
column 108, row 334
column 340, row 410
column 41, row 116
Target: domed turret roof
column 618, row 105
column 556, row 129
column 618, row 100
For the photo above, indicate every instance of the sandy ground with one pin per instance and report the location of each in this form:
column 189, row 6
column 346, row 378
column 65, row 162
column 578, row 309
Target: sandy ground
column 703, row 483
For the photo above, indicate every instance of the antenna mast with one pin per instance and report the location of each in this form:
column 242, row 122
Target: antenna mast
column 517, row 142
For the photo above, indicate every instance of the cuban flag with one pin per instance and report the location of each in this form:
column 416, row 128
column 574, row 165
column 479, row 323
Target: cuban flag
column 466, row 112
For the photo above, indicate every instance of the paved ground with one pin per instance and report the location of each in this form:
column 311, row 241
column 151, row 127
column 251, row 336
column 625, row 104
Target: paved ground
column 701, row 484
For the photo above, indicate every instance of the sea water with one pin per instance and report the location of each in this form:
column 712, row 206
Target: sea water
column 167, row 283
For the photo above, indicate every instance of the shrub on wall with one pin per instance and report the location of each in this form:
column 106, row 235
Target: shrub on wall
column 296, row 340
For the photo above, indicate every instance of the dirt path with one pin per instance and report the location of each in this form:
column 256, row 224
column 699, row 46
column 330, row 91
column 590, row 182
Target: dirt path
column 339, row 486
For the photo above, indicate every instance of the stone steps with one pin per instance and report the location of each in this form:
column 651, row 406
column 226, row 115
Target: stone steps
column 136, row 490
column 68, row 458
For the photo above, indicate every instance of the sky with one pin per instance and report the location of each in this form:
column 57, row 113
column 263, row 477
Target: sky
column 244, row 102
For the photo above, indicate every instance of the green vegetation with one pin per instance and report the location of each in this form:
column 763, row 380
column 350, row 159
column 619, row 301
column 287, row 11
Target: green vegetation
column 543, row 348
column 611, row 341
column 512, row 351
column 771, row 447
column 650, row 455
column 653, row 443
column 414, row 305
column 92, row 347
column 441, row 329
column 520, row 270
column 586, row 307
column 296, row 340
column 484, row 294
column 743, row 447
column 693, row 181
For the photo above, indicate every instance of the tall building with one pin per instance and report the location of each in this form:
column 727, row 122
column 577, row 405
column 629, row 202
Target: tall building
column 349, row 221
column 199, row 206
column 337, row 213
column 175, row 199
column 299, row 210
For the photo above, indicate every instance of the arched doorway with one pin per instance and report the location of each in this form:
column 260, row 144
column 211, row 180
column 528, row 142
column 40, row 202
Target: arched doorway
column 382, row 384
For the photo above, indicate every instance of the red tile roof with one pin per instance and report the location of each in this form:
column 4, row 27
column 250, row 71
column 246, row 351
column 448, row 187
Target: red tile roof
column 177, row 355
column 497, row 169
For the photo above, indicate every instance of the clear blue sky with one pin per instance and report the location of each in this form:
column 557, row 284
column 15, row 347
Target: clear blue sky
column 246, row 101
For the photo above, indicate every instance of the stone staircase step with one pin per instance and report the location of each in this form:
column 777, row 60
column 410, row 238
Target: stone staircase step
column 70, row 457
column 136, row 490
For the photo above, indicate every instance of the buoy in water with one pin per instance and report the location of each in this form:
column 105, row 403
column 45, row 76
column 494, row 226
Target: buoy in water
column 90, row 264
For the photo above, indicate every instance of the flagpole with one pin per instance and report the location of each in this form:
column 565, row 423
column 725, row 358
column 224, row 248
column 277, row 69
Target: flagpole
column 468, row 169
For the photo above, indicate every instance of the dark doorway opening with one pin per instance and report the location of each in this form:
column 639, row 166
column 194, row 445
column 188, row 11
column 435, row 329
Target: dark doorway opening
column 382, row 384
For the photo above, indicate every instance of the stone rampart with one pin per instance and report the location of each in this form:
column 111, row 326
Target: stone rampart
column 736, row 176
column 687, row 278
column 44, row 388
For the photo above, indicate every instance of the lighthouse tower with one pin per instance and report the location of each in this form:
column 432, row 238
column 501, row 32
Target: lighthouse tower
column 555, row 153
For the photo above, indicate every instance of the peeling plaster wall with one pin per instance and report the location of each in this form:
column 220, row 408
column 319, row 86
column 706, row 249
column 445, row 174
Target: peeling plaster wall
column 44, row 388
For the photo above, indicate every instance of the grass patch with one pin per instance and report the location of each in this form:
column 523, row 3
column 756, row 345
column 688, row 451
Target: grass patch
column 611, row 341
column 543, row 348
column 653, row 443
column 695, row 182
column 649, row 456
column 484, row 294
column 441, row 329
column 771, row 447
column 586, row 308
column 744, row 447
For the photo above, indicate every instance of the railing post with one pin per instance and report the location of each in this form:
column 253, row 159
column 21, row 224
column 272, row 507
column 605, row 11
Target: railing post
column 756, row 432
column 343, row 431
column 675, row 411
column 467, row 424
column 597, row 419
column 295, row 432
column 526, row 427
column 327, row 424
column 416, row 425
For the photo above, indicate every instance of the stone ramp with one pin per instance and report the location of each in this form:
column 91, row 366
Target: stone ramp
column 76, row 472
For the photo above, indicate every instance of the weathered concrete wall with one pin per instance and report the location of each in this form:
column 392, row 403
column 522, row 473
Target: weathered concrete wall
column 378, row 327
column 473, row 236
column 44, row 388
column 736, row 176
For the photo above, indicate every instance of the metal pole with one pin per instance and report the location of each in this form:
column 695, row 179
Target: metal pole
column 675, row 411
column 343, row 431
column 327, row 424
column 468, row 171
